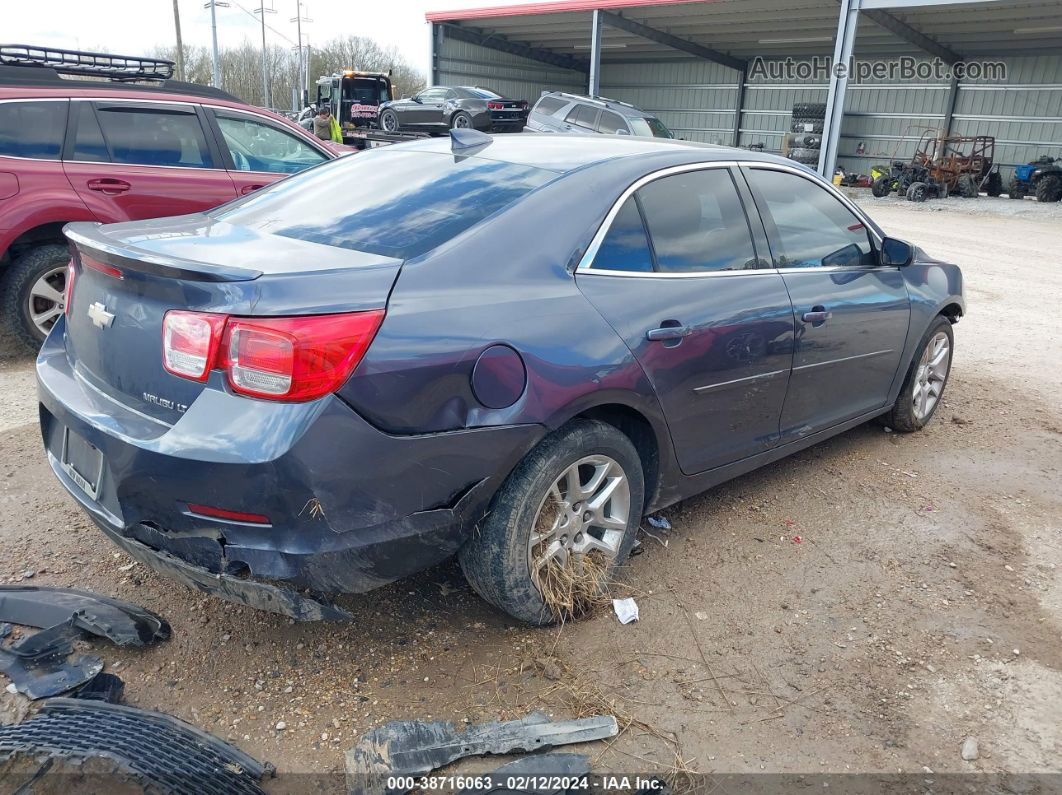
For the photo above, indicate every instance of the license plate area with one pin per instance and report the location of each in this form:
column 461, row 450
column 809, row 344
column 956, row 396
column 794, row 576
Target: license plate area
column 82, row 462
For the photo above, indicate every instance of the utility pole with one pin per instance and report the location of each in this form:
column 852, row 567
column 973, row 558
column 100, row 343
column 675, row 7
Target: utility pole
column 304, row 67
column 267, row 100
column 215, row 60
column 180, row 44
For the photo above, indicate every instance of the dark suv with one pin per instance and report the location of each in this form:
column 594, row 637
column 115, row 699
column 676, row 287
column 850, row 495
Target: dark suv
column 75, row 150
column 558, row 112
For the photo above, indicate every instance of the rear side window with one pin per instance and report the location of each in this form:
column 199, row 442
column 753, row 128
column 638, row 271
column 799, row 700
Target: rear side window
column 256, row 146
column 549, row 105
column 88, row 140
column 583, row 115
column 32, row 129
column 697, row 223
column 611, row 123
column 392, row 203
column 813, row 229
column 154, row 136
column 625, row 247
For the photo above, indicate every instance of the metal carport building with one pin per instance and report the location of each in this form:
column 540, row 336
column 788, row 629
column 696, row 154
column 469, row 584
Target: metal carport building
column 691, row 62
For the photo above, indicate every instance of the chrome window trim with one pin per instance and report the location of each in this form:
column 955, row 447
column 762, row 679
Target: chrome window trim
column 584, row 268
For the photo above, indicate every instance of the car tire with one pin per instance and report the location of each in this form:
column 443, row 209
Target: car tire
column 881, row 187
column 806, row 126
column 905, row 415
column 1016, row 190
column 461, row 121
column 916, row 192
column 389, row 121
column 498, row 559
column 1049, row 189
column 24, row 281
column 813, row 110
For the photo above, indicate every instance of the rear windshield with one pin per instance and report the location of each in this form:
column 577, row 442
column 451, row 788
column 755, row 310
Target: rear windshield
column 387, row 202
column 482, row 93
column 650, row 127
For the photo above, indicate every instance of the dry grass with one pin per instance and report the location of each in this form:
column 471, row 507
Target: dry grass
column 577, row 587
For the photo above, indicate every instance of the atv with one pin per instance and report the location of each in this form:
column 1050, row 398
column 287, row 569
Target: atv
column 887, row 180
column 1042, row 178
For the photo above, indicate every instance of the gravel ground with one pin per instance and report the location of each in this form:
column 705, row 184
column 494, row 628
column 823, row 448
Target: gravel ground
column 922, row 606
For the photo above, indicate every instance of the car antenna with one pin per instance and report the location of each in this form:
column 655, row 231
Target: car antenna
column 465, row 138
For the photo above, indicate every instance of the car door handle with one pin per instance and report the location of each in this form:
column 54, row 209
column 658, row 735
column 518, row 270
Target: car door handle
column 109, row 185
column 667, row 333
column 817, row 316
column 250, row 189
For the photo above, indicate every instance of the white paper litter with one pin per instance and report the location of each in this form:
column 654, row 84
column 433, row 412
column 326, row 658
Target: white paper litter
column 626, row 610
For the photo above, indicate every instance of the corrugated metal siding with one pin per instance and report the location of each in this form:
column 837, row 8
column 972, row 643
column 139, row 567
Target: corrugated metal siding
column 461, row 63
column 1025, row 115
column 695, row 99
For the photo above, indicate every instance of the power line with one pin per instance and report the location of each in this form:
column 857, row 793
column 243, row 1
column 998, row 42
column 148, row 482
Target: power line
column 254, row 16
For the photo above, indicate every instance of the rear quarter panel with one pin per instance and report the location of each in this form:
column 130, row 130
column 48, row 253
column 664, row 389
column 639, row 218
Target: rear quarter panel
column 44, row 196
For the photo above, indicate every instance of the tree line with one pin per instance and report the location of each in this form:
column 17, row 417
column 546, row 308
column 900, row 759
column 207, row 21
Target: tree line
column 241, row 67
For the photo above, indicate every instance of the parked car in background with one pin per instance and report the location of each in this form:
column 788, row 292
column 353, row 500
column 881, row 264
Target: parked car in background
column 442, row 108
column 80, row 150
column 559, row 112
column 507, row 347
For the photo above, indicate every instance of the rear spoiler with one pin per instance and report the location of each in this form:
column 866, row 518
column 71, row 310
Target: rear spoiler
column 88, row 237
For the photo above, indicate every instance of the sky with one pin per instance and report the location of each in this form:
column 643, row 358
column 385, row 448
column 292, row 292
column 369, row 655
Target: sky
column 135, row 27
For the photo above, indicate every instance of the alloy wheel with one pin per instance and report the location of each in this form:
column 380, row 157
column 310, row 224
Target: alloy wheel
column 389, row 122
column 461, row 122
column 585, row 510
column 931, row 376
column 47, row 299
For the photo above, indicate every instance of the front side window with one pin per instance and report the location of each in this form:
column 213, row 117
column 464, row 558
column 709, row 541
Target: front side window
column 255, row 146
column 394, row 203
column 32, row 129
column 697, row 223
column 813, row 229
column 432, row 95
column 650, row 127
column 625, row 247
column 611, row 123
column 154, row 136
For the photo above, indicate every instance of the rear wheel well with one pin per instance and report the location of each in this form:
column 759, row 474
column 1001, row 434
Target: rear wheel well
column 952, row 312
column 637, row 428
column 37, row 236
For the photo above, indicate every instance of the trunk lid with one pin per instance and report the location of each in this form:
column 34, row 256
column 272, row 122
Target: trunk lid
column 127, row 276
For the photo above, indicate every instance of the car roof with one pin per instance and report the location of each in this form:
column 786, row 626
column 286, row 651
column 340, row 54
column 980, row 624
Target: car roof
column 564, row 153
column 616, row 106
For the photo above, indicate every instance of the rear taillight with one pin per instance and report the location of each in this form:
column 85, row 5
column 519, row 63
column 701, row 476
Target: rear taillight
column 101, row 267
column 495, row 105
column 289, row 358
column 190, row 343
column 68, row 289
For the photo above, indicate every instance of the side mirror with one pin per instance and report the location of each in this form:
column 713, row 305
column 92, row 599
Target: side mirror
column 896, row 253
column 416, row 99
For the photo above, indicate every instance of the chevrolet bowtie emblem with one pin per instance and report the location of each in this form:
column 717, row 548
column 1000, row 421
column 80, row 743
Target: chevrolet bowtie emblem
column 99, row 315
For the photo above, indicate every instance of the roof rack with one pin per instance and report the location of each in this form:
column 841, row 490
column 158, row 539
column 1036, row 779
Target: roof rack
column 592, row 98
column 87, row 64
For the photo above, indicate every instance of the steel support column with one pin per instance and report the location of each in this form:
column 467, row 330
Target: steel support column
column 595, row 54
column 743, row 77
column 435, row 53
column 847, row 24
column 949, row 110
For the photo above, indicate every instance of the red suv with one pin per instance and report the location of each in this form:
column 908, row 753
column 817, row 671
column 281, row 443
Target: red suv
column 80, row 150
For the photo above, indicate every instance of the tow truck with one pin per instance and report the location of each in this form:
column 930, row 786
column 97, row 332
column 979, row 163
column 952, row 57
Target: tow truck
column 355, row 99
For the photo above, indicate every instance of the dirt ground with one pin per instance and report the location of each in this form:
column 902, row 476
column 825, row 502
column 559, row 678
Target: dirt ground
column 921, row 606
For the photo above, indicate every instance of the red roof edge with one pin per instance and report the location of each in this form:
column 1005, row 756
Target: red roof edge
column 554, row 7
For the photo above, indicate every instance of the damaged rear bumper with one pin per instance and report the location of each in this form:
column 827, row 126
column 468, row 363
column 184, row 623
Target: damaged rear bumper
column 349, row 507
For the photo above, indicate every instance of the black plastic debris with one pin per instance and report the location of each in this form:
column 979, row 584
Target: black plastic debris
column 412, row 748
column 102, row 687
column 39, row 665
column 48, row 675
column 120, row 622
column 558, row 774
column 162, row 753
